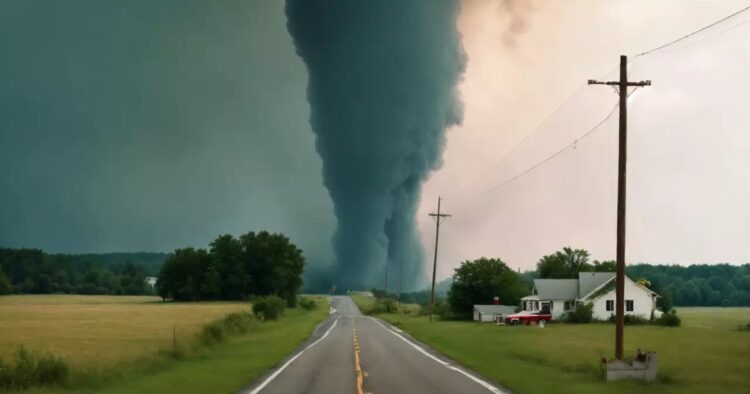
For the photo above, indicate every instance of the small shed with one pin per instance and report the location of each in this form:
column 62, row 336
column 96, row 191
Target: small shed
column 489, row 313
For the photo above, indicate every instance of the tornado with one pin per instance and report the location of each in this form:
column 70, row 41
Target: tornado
column 382, row 90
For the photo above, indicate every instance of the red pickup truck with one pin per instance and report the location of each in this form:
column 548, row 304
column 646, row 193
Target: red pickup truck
column 527, row 317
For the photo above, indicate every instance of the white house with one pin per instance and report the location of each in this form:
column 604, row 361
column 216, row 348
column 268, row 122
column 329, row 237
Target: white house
column 489, row 313
column 561, row 295
column 150, row 280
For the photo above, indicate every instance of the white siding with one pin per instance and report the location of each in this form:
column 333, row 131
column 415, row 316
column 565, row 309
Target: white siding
column 642, row 302
column 558, row 308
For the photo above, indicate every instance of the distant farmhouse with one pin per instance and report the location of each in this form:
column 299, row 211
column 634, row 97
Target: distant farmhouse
column 561, row 295
column 150, row 280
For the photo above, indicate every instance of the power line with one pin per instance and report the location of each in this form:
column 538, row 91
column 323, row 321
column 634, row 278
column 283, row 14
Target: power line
column 546, row 119
column 548, row 158
column 526, row 138
column 694, row 33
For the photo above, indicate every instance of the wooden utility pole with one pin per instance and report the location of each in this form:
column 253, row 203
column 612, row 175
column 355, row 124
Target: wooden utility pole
column 400, row 280
column 622, row 86
column 437, row 217
column 385, row 285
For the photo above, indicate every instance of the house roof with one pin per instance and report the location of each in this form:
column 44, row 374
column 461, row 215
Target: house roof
column 495, row 309
column 570, row 289
column 556, row 289
column 589, row 281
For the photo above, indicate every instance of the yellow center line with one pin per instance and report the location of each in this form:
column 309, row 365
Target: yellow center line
column 357, row 367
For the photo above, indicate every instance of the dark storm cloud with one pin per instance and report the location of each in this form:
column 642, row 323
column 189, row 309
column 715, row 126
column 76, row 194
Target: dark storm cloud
column 382, row 90
column 147, row 125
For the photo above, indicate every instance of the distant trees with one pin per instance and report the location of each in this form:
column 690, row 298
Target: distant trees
column 256, row 264
column 564, row 264
column 33, row 271
column 479, row 281
column 694, row 285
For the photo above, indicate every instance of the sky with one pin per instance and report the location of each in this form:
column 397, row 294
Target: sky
column 147, row 126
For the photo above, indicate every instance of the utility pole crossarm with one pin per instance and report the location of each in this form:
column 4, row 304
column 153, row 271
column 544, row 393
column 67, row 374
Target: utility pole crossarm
column 618, row 83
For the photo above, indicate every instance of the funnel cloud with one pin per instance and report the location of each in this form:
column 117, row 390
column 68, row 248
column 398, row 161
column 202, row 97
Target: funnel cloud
column 382, row 90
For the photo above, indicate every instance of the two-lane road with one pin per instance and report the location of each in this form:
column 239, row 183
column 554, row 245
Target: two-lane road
column 352, row 353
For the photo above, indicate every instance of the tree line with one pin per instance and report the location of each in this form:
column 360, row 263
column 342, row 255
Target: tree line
column 255, row 264
column 32, row 271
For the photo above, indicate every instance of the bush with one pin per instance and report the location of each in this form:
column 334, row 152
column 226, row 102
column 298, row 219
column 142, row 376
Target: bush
column 669, row 319
column 745, row 327
column 582, row 314
column 386, row 305
column 268, row 307
column 238, row 323
column 232, row 324
column 212, row 333
column 33, row 369
column 308, row 304
column 630, row 320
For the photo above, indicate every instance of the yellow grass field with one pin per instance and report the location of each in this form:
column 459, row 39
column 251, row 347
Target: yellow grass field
column 101, row 331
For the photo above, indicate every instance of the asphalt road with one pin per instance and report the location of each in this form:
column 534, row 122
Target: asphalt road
column 352, row 353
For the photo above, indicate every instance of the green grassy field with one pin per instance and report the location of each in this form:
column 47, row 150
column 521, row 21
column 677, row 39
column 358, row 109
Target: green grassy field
column 706, row 354
column 102, row 331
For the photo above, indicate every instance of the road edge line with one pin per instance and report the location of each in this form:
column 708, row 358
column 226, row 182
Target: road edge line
column 276, row 373
column 481, row 382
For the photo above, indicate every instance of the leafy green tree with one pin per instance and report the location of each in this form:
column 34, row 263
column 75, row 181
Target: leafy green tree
column 5, row 286
column 274, row 265
column 211, row 287
column 479, row 281
column 564, row 264
column 226, row 255
column 604, row 266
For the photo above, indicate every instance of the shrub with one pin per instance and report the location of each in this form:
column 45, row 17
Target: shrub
column 212, row 333
column 745, row 327
column 669, row 319
column 583, row 313
column 268, row 307
column 232, row 324
column 630, row 320
column 386, row 305
column 238, row 323
column 33, row 369
column 307, row 304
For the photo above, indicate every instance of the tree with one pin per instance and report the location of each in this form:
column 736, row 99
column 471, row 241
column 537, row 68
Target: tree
column 479, row 281
column 5, row 286
column 605, row 266
column 182, row 274
column 564, row 264
column 274, row 265
column 226, row 255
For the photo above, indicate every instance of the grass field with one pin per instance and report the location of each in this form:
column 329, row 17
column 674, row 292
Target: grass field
column 128, row 332
column 224, row 368
column 101, row 331
column 706, row 354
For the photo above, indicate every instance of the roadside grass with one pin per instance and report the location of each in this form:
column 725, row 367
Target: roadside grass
column 100, row 332
column 707, row 354
column 223, row 367
column 366, row 305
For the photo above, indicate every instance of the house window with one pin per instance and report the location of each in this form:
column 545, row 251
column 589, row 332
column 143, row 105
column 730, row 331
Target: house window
column 629, row 305
column 536, row 305
column 610, row 305
column 568, row 305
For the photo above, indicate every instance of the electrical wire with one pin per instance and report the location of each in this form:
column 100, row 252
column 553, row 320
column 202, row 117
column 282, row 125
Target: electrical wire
column 694, row 33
